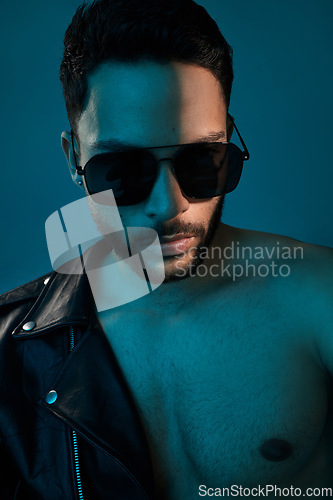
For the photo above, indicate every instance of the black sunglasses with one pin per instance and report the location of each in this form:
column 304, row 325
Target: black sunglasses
column 202, row 170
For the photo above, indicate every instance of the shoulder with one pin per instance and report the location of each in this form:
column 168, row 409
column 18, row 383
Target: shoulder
column 306, row 261
column 303, row 292
column 307, row 268
column 313, row 288
column 25, row 292
column 15, row 304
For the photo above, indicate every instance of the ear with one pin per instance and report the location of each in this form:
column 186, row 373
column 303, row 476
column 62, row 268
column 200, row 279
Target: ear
column 230, row 127
column 67, row 147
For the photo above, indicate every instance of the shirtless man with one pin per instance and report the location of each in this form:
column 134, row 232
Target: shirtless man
column 228, row 362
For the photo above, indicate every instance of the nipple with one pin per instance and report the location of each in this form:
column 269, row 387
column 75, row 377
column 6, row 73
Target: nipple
column 276, row 450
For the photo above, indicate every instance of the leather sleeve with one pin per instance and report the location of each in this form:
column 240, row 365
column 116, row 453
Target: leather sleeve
column 9, row 482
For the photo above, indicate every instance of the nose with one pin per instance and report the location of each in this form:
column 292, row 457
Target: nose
column 166, row 199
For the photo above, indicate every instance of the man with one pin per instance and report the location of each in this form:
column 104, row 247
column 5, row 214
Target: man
column 219, row 378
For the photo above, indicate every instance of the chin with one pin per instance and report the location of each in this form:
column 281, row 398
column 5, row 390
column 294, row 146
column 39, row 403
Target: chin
column 177, row 269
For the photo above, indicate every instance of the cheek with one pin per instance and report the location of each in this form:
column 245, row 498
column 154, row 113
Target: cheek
column 199, row 212
column 107, row 218
column 204, row 210
column 132, row 216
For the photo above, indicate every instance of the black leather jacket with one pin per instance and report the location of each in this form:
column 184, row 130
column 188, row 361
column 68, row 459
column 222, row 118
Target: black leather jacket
column 68, row 425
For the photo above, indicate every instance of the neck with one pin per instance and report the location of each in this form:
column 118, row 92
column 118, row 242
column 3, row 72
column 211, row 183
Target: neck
column 172, row 295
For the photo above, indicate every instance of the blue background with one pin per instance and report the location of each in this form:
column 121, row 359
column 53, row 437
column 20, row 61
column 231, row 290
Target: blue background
column 282, row 101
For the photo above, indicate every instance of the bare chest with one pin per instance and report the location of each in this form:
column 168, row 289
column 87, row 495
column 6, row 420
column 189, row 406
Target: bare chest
column 222, row 401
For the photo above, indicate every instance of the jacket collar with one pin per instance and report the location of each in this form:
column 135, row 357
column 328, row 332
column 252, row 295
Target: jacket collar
column 65, row 300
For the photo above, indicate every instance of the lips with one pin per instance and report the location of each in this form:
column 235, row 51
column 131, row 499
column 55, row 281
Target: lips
column 174, row 237
column 176, row 244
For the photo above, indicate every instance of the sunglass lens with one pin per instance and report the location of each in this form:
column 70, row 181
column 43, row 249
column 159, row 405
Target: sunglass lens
column 199, row 169
column 235, row 167
column 130, row 175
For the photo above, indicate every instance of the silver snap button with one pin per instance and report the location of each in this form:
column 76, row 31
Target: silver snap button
column 51, row 397
column 46, row 280
column 29, row 326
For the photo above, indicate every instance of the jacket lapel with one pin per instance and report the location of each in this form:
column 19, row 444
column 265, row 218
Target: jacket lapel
column 92, row 395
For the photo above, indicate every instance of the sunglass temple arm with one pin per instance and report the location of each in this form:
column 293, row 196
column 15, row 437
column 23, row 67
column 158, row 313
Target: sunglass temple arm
column 245, row 152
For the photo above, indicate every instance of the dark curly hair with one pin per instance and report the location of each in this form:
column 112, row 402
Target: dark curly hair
column 130, row 30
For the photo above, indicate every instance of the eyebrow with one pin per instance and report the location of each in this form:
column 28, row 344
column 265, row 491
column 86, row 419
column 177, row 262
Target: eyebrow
column 212, row 137
column 116, row 145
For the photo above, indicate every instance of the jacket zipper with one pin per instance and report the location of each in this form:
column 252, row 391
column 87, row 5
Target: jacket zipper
column 75, row 446
column 74, row 436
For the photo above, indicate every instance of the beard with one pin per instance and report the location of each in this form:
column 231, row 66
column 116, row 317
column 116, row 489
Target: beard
column 176, row 268
column 187, row 269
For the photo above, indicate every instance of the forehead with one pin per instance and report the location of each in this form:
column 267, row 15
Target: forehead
column 147, row 103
